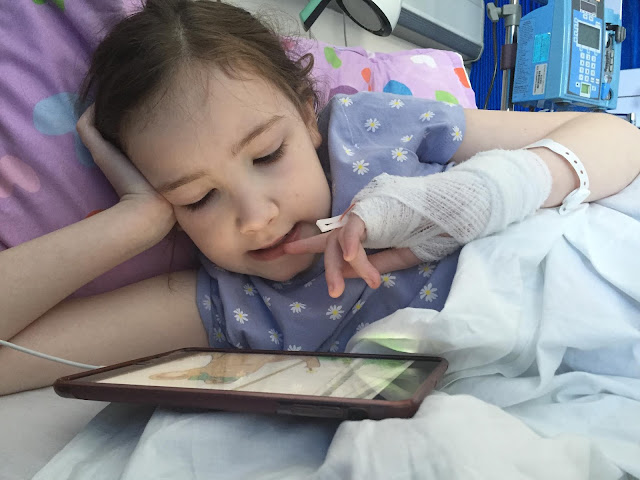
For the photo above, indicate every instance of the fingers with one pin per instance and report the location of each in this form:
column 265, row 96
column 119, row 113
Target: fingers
column 333, row 265
column 387, row 261
column 87, row 119
column 350, row 238
column 345, row 257
column 316, row 244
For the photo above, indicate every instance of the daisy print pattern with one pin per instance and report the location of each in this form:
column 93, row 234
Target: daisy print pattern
column 294, row 348
column 396, row 103
column 356, row 308
column 218, row 335
column 399, row 154
column 297, row 307
column 267, row 301
column 334, row 346
column 425, row 269
column 456, row 134
column 335, row 312
column 361, row 326
column 240, row 316
column 249, row 289
column 428, row 293
column 206, row 303
column 406, row 138
column 348, row 151
column 276, row 337
column 427, row 116
column 388, row 280
column 372, row 124
column 360, row 167
column 346, row 101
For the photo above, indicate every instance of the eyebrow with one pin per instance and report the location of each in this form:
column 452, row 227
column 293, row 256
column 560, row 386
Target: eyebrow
column 167, row 187
column 257, row 131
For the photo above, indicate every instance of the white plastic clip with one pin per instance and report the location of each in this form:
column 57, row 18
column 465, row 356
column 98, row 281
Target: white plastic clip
column 328, row 224
column 580, row 194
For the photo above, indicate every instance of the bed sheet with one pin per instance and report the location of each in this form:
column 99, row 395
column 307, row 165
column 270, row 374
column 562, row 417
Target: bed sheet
column 35, row 426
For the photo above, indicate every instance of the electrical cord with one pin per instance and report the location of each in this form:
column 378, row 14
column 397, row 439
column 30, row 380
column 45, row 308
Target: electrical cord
column 47, row 357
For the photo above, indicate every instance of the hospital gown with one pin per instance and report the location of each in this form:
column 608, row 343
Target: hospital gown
column 365, row 134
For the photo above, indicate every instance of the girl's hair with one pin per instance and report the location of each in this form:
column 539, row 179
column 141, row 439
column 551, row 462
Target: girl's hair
column 140, row 58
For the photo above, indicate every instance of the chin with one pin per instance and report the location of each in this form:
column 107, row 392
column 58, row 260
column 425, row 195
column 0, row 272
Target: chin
column 289, row 269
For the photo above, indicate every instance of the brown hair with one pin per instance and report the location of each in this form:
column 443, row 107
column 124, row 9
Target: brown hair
column 139, row 59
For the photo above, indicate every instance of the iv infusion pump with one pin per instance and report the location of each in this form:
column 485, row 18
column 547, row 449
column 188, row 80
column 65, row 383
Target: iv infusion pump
column 569, row 55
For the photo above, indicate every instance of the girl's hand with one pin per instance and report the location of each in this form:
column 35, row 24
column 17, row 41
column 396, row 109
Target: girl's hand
column 125, row 178
column 345, row 257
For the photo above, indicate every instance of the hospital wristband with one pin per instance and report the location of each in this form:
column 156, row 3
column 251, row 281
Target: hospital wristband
column 580, row 194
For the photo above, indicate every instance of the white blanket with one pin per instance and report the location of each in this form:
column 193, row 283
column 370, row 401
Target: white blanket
column 542, row 332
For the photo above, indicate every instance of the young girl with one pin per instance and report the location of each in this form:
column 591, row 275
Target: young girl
column 201, row 120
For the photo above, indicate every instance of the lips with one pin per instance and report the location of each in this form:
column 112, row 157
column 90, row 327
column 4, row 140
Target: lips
column 276, row 249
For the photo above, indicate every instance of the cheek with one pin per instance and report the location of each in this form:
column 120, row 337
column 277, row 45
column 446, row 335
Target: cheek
column 205, row 232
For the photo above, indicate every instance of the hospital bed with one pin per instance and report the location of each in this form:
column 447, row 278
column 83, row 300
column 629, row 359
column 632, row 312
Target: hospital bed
column 516, row 396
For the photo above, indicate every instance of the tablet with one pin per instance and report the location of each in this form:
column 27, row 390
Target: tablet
column 333, row 385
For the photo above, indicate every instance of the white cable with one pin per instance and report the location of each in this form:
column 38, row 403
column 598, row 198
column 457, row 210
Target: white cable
column 47, row 357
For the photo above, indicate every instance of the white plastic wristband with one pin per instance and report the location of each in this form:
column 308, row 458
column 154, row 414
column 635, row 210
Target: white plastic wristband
column 580, row 194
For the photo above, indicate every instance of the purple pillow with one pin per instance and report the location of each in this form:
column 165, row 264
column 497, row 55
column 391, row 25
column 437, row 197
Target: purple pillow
column 425, row 73
column 47, row 177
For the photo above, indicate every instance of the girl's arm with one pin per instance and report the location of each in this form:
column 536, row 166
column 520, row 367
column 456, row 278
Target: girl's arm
column 38, row 275
column 607, row 146
column 149, row 317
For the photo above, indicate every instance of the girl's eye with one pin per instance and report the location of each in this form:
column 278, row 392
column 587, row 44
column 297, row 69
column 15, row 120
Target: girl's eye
column 200, row 203
column 272, row 157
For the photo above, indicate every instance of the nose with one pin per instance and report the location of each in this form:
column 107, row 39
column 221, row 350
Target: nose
column 255, row 211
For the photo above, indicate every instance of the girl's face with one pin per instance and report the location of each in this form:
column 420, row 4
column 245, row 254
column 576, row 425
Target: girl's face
column 239, row 165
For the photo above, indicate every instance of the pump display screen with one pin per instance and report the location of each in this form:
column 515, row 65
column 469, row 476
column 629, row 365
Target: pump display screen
column 588, row 36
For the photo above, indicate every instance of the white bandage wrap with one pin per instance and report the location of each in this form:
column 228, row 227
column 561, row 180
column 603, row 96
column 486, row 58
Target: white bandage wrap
column 436, row 214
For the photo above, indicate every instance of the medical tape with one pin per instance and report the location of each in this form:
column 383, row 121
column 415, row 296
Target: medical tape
column 328, row 224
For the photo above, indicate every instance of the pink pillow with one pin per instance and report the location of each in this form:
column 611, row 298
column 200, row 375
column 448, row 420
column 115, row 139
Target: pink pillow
column 47, row 177
column 425, row 73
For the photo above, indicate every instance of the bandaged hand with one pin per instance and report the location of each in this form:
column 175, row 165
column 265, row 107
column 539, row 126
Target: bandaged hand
column 435, row 215
column 345, row 257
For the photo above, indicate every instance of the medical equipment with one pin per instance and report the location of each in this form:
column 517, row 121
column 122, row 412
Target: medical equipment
column 377, row 16
column 568, row 55
column 456, row 25
column 629, row 96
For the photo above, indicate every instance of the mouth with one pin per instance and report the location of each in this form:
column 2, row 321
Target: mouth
column 276, row 249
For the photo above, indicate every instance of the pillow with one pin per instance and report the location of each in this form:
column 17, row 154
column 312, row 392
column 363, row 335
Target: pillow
column 47, row 177
column 427, row 73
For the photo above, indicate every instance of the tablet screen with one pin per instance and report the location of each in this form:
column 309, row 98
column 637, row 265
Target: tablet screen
column 346, row 377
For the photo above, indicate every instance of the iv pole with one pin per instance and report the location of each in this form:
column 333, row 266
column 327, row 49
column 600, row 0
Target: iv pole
column 511, row 12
